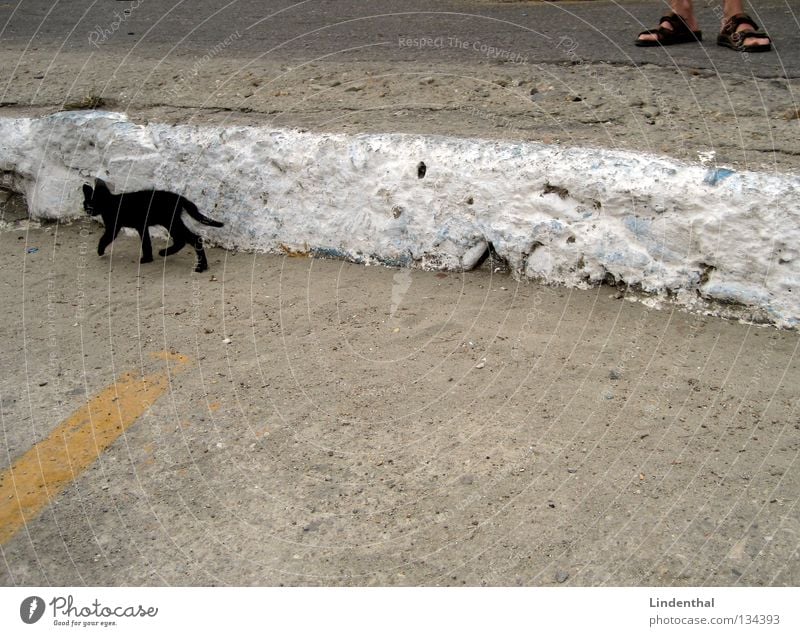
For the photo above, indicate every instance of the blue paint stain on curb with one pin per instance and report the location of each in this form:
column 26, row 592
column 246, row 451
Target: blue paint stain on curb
column 713, row 177
column 338, row 254
column 329, row 252
column 403, row 261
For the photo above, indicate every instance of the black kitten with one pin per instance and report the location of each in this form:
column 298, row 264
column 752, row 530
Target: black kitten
column 140, row 210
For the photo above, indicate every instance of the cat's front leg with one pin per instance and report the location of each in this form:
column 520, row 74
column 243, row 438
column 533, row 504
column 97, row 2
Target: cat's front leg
column 147, row 247
column 105, row 241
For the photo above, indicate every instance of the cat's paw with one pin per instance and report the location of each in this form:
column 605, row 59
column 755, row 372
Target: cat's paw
column 201, row 267
column 146, row 259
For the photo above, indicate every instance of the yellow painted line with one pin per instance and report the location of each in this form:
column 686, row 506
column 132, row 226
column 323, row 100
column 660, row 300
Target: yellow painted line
column 45, row 470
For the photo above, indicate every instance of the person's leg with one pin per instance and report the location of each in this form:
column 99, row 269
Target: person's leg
column 682, row 8
column 731, row 8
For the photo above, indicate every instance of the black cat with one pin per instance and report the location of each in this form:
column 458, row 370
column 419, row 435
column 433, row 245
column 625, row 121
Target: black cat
column 140, row 210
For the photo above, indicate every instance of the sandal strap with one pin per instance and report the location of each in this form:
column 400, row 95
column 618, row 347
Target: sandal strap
column 737, row 20
column 741, row 36
column 750, row 34
column 677, row 22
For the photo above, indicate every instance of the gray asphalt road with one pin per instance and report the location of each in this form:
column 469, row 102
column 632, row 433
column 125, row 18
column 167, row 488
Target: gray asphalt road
column 379, row 30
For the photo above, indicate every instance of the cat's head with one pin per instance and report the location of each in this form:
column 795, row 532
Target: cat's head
column 93, row 196
column 88, row 200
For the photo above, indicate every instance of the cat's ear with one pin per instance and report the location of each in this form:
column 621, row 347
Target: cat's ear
column 99, row 183
column 87, row 192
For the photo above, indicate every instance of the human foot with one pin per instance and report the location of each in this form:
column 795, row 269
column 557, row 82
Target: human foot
column 672, row 29
column 740, row 33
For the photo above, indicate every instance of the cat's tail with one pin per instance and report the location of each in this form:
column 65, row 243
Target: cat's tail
column 192, row 211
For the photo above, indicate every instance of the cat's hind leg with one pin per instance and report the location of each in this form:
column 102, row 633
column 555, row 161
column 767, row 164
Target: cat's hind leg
column 197, row 243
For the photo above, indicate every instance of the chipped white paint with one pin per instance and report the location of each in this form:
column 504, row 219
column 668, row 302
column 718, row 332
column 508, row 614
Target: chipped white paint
column 568, row 216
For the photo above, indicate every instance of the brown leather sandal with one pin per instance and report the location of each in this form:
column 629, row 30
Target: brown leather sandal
column 680, row 33
column 734, row 39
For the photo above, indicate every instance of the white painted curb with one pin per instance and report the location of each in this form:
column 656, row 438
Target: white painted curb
column 568, row 216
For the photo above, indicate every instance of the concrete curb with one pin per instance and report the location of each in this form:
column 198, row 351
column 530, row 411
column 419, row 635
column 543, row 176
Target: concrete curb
column 567, row 216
